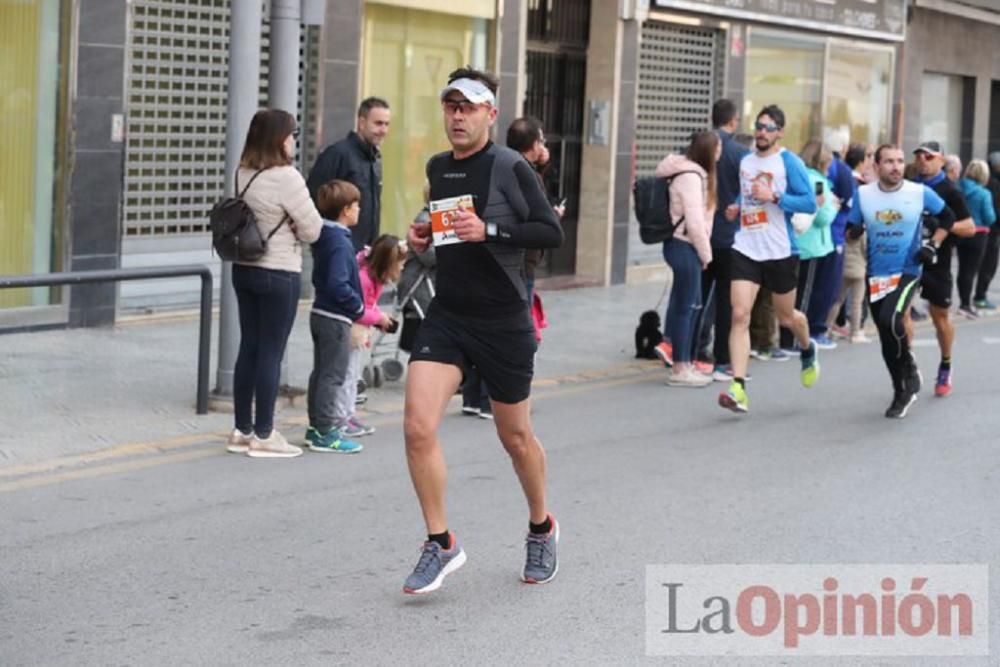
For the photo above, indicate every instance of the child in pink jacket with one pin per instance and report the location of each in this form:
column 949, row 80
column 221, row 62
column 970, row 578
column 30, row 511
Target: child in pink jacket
column 380, row 264
column 692, row 205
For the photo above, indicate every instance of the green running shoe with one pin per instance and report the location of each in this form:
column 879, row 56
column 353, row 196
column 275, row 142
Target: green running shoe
column 735, row 398
column 810, row 365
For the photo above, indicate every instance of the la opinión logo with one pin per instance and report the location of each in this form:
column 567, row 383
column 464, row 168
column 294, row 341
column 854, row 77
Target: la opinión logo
column 817, row 610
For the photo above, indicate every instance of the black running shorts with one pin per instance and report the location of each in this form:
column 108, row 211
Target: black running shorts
column 503, row 350
column 936, row 287
column 780, row 276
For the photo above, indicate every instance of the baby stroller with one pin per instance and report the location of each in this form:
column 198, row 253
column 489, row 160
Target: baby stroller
column 411, row 297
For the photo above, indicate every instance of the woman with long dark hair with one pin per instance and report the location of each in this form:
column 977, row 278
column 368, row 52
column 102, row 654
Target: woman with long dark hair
column 692, row 205
column 267, row 290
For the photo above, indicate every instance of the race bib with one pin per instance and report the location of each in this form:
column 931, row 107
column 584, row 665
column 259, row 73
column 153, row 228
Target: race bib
column 443, row 212
column 879, row 286
column 753, row 217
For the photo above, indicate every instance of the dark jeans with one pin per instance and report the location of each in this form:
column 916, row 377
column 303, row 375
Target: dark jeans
column 331, row 360
column 825, row 288
column 685, row 298
column 970, row 257
column 267, row 301
column 803, row 296
column 988, row 268
column 716, row 286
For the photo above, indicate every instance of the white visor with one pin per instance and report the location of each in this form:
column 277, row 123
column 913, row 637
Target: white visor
column 475, row 91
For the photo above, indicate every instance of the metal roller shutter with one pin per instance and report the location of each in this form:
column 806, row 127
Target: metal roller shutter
column 680, row 77
column 178, row 54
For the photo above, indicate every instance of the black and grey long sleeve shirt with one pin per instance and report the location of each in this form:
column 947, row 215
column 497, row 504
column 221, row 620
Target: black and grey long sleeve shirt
column 486, row 280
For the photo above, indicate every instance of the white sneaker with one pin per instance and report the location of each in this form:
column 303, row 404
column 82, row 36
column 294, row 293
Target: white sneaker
column 860, row 337
column 273, row 446
column 239, row 442
column 688, row 378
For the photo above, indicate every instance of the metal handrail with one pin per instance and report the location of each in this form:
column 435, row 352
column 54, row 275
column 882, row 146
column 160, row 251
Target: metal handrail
column 118, row 275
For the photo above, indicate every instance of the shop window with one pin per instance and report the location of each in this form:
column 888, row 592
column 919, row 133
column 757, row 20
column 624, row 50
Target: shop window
column 858, row 92
column 786, row 71
column 407, row 57
column 29, row 108
column 943, row 114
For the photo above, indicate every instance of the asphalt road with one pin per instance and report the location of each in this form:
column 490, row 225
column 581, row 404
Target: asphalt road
column 186, row 555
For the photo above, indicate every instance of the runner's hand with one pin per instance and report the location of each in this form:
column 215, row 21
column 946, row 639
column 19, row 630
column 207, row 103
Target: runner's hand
column 761, row 191
column 927, row 255
column 419, row 236
column 468, row 226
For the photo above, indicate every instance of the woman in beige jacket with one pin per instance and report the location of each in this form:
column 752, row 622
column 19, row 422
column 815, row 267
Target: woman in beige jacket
column 267, row 290
column 692, row 205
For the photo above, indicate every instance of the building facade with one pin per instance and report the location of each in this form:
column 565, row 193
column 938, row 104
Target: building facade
column 114, row 112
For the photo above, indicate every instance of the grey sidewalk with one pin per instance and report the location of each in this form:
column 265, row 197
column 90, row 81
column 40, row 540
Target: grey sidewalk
column 70, row 392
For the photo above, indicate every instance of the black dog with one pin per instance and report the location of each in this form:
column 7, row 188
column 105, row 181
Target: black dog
column 647, row 335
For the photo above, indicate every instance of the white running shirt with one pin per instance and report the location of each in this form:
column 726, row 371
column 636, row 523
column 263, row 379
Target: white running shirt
column 764, row 232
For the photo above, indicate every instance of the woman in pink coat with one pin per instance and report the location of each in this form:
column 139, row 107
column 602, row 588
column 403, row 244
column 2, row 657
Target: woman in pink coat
column 692, row 205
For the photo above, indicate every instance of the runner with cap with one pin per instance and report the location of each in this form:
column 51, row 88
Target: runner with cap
column 937, row 281
column 486, row 206
column 891, row 210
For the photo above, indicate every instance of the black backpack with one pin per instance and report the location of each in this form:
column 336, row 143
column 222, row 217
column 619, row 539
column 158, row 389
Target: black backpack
column 652, row 208
column 235, row 235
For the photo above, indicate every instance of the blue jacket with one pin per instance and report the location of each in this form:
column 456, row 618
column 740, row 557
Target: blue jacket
column 727, row 189
column 979, row 201
column 845, row 187
column 335, row 274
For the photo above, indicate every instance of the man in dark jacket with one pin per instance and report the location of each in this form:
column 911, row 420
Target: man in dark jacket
column 989, row 266
column 715, row 281
column 356, row 159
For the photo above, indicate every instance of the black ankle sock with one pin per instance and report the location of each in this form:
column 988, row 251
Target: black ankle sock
column 946, row 363
column 542, row 528
column 741, row 382
column 444, row 539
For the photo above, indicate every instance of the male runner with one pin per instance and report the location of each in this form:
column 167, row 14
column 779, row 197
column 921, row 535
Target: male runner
column 479, row 317
column 773, row 185
column 892, row 210
column 937, row 281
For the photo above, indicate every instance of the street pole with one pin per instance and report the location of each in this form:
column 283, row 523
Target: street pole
column 283, row 72
column 245, row 21
column 283, row 76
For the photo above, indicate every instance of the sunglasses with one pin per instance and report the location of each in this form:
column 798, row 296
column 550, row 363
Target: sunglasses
column 451, row 107
column 766, row 127
column 925, row 156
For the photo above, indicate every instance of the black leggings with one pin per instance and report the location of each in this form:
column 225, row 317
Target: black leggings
column 988, row 267
column 888, row 313
column 970, row 257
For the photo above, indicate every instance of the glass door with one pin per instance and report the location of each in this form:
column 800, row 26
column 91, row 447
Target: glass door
column 29, row 101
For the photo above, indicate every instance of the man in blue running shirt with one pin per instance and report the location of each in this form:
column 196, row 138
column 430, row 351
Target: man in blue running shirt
column 891, row 209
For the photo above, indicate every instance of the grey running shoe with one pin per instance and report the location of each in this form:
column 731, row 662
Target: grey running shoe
column 434, row 565
column 541, row 562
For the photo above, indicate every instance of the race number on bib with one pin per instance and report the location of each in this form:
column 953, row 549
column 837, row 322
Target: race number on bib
column 443, row 212
column 879, row 286
column 753, row 217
